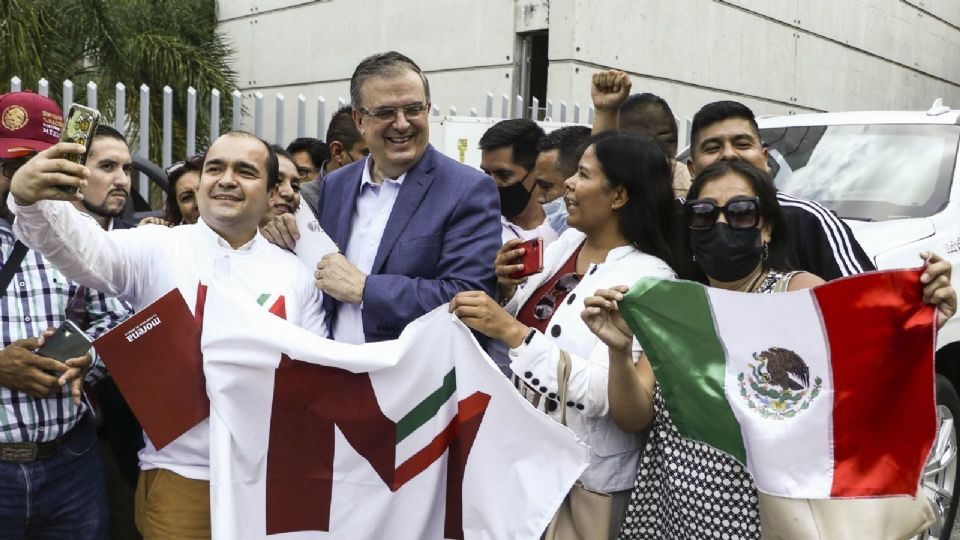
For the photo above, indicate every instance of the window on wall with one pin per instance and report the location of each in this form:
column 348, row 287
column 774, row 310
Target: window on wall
column 532, row 68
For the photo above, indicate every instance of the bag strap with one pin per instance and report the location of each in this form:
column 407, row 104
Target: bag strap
column 77, row 308
column 11, row 266
column 563, row 378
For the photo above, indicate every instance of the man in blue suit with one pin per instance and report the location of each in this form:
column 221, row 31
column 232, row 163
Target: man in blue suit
column 414, row 227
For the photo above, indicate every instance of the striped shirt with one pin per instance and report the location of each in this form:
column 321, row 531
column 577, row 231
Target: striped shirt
column 36, row 300
column 821, row 243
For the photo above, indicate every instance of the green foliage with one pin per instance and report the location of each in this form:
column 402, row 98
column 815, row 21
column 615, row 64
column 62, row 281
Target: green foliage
column 152, row 42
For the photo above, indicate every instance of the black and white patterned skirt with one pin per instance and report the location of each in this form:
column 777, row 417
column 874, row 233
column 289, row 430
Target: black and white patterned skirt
column 688, row 490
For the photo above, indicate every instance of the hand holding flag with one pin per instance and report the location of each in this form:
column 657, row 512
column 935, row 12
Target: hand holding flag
column 604, row 319
column 936, row 286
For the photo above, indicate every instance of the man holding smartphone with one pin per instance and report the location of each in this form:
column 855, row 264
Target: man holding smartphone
column 51, row 476
column 140, row 265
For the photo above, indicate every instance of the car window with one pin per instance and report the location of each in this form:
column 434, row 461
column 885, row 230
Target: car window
column 869, row 172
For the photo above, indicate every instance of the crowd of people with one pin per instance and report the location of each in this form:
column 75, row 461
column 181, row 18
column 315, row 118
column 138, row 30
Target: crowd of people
column 415, row 230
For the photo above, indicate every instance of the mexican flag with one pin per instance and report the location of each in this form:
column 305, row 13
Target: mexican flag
column 821, row 393
column 421, row 437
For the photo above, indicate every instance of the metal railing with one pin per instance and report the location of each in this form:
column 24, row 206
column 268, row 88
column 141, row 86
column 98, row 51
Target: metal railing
column 508, row 108
column 491, row 107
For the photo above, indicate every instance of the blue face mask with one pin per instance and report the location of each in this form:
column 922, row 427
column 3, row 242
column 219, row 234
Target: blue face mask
column 556, row 212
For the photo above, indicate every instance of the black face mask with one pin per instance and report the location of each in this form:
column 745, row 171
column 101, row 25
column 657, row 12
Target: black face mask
column 514, row 198
column 725, row 253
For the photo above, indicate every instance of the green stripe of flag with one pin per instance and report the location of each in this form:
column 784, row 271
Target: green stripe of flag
column 263, row 298
column 673, row 322
column 427, row 408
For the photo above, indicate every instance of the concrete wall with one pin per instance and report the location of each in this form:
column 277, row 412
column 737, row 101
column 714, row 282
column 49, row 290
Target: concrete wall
column 782, row 56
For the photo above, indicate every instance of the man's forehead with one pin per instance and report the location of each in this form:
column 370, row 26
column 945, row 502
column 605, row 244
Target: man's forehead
column 384, row 89
column 547, row 159
column 728, row 129
column 498, row 157
column 549, row 156
column 236, row 148
column 110, row 147
column 287, row 166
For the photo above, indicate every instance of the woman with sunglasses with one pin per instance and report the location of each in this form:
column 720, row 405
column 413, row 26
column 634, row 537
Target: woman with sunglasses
column 621, row 208
column 737, row 236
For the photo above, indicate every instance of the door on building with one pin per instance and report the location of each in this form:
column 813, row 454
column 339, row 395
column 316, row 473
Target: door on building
column 532, row 74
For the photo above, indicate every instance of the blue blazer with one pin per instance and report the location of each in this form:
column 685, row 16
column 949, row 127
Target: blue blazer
column 441, row 238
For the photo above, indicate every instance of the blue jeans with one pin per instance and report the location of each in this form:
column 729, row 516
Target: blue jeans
column 61, row 497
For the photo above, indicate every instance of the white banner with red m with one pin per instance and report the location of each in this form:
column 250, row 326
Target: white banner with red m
column 421, row 437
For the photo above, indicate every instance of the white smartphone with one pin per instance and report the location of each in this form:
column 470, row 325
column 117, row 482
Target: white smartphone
column 314, row 243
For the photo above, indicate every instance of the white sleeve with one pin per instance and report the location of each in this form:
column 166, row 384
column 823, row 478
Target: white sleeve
column 312, row 315
column 80, row 248
column 536, row 360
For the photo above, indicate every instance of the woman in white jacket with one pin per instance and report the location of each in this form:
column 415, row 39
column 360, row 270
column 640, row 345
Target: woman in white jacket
column 621, row 213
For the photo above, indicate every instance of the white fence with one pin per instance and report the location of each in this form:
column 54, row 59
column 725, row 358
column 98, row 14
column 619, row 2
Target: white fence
column 252, row 115
column 516, row 109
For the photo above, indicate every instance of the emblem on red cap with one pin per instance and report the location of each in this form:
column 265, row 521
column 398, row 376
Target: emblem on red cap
column 14, row 117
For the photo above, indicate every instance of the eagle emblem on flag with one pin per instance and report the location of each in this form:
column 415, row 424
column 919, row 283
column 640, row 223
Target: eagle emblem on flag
column 778, row 386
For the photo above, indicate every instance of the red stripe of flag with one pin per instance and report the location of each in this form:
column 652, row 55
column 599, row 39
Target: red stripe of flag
column 881, row 338
column 474, row 405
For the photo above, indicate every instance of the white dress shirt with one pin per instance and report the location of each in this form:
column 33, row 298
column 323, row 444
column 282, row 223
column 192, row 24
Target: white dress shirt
column 140, row 265
column 374, row 205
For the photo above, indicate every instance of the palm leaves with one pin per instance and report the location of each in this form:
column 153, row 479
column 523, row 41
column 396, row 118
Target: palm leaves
column 153, row 42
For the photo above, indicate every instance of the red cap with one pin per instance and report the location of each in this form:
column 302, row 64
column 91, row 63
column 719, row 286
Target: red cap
column 28, row 123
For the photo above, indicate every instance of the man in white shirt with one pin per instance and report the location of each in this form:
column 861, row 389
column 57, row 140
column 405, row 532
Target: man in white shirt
column 508, row 153
column 140, row 265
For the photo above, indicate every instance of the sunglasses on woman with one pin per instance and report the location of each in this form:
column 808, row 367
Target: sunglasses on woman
column 195, row 160
column 544, row 307
column 740, row 213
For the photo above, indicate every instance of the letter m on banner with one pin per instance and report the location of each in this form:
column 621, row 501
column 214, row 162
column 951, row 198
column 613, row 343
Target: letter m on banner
column 309, row 401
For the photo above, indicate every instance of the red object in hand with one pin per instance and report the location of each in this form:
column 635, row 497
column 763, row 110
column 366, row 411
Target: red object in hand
column 532, row 258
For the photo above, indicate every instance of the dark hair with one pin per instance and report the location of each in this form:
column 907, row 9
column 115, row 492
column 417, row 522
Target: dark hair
column 779, row 257
column 638, row 163
column 566, row 141
column 281, row 152
column 174, row 173
column 386, row 64
column 108, row 131
column 315, row 148
column 718, row 111
column 273, row 168
column 342, row 128
column 638, row 109
column 521, row 135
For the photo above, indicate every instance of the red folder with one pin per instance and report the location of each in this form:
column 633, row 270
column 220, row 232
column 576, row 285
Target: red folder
column 154, row 357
